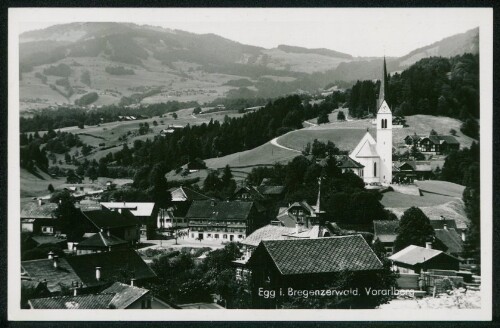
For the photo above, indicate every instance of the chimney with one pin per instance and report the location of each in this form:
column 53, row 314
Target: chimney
column 50, row 256
column 132, row 282
column 39, row 201
column 55, row 261
column 463, row 235
column 98, row 273
column 445, row 227
column 297, row 227
column 75, row 289
column 428, row 245
column 108, row 232
column 212, row 203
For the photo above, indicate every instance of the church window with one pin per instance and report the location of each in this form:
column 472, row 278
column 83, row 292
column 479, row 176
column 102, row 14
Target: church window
column 374, row 169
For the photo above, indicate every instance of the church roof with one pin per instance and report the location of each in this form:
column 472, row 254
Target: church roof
column 367, row 150
column 384, row 108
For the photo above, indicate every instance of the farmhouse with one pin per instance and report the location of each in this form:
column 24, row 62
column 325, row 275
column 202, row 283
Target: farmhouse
column 101, row 242
column 122, row 225
column 297, row 212
column 225, row 221
column 376, row 155
column 144, row 212
column 414, row 259
column 39, row 218
column 411, row 170
column 433, row 144
column 182, row 198
column 307, row 263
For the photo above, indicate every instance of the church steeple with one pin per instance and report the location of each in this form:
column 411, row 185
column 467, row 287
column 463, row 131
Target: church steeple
column 383, row 86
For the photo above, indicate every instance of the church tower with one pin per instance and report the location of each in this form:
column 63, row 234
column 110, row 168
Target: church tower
column 384, row 133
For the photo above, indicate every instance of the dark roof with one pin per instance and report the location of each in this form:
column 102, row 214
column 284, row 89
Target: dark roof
column 220, row 210
column 34, row 211
column 385, row 230
column 439, row 223
column 441, row 139
column 205, row 306
column 101, row 239
column 43, row 269
column 190, row 194
column 451, row 239
column 345, row 162
column 286, row 219
column 114, row 266
column 105, row 218
column 41, row 240
column 251, row 190
column 125, row 295
column 271, row 190
column 322, row 255
column 90, row 301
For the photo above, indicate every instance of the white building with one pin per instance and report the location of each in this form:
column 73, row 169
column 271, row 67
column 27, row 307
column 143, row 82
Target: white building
column 376, row 155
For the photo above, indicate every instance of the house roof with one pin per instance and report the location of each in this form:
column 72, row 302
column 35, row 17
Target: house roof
column 345, row 162
column 105, row 218
column 43, row 269
column 114, row 265
column 137, row 209
column 414, row 255
column 251, row 190
column 124, row 295
column 271, row 190
column 220, row 210
column 268, row 232
column 451, row 239
column 419, row 166
column 186, row 194
column 41, row 240
column 90, row 301
column 101, row 239
column 313, row 232
column 34, row 211
column 439, row 139
column 440, row 223
column 385, row 230
column 287, row 219
column 322, row 255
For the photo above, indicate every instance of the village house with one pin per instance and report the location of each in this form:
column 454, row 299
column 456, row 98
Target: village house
column 385, row 231
column 433, row 144
column 122, row 225
column 297, row 212
column 39, row 218
column 101, row 242
column 305, row 263
column 181, row 199
column 411, row 170
column 144, row 212
column 224, row 221
column 414, row 259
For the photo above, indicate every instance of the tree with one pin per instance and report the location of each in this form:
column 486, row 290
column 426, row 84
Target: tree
column 70, row 219
column 323, row 118
column 341, row 116
column 196, row 110
column 50, row 188
column 414, row 229
column 174, row 115
column 453, row 132
column 433, row 132
column 92, row 173
column 470, row 128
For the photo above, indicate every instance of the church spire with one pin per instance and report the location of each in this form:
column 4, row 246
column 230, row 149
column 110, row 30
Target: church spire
column 383, row 86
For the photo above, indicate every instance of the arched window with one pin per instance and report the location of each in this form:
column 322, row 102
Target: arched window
column 374, row 169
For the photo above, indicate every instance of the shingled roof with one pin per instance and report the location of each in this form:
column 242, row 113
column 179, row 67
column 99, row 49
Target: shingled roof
column 44, row 269
column 452, row 239
column 323, row 255
column 270, row 190
column 220, row 210
column 102, row 239
column 413, row 255
column 385, row 230
column 268, row 232
column 105, row 218
column 35, row 211
column 186, row 194
column 125, row 295
column 136, row 208
column 89, row 302
column 116, row 264
column 345, row 162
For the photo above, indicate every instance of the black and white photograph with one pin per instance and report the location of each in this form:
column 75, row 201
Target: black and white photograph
column 315, row 163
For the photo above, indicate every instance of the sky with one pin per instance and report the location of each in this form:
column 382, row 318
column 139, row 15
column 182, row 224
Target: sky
column 359, row 32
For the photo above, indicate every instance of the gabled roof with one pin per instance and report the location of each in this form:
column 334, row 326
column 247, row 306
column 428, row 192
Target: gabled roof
column 440, row 223
column 312, row 232
column 367, row 150
column 385, row 230
column 287, row 219
column 125, row 295
column 438, row 140
column 322, row 255
column 414, row 255
column 41, row 240
column 268, row 232
column 452, row 239
column 270, row 190
column 105, row 218
column 43, row 269
column 220, row 210
column 186, row 194
column 345, row 162
column 251, row 190
column 90, row 301
column 114, row 265
column 34, row 211
column 101, row 239
column 367, row 137
column 418, row 166
column 137, row 209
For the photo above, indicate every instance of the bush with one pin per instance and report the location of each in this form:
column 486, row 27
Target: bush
column 87, row 99
column 119, row 70
column 61, row 70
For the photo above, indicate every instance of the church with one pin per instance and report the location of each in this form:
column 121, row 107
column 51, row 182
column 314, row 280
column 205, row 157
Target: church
column 376, row 154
